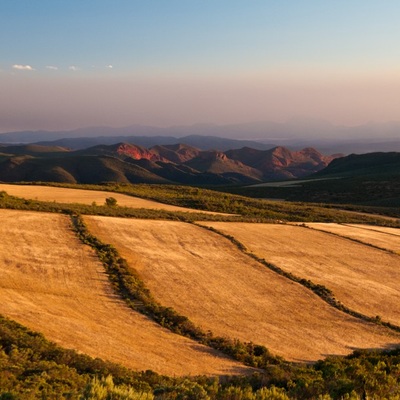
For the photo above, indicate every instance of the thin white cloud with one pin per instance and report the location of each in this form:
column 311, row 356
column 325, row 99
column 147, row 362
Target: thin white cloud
column 109, row 66
column 52, row 67
column 23, row 67
column 74, row 68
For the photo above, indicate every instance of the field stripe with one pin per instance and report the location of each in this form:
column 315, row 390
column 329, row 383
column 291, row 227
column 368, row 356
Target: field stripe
column 320, row 290
column 53, row 284
column 82, row 196
column 379, row 239
column 203, row 276
column 361, row 277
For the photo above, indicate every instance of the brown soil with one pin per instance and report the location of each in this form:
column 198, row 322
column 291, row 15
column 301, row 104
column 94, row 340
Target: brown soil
column 51, row 283
column 363, row 278
column 203, row 276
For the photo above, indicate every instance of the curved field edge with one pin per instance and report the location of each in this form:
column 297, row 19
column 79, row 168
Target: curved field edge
column 252, row 210
column 34, row 368
column 133, row 290
column 153, row 241
column 254, row 239
column 87, row 197
column 55, row 284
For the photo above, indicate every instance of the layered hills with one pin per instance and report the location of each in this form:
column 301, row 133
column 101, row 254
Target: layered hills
column 367, row 179
column 171, row 163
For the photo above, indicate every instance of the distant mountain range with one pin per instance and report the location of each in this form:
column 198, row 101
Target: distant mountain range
column 170, row 163
column 294, row 134
column 201, row 142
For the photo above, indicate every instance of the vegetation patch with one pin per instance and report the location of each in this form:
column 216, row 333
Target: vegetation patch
column 240, row 208
column 31, row 367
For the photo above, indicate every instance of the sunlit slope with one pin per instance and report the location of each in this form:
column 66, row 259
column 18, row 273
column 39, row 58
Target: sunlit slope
column 385, row 238
column 66, row 195
column 363, row 278
column 53, row 284
column 203, row 276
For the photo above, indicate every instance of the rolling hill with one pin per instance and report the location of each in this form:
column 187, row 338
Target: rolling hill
column 77, row 169
column 371, row 179
column 178, row 163
column 58, row 286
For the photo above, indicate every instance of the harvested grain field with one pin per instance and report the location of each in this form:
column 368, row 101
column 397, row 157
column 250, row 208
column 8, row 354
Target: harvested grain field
column 81, row 196
column 363, row 278
column 203, row 276
column 53, row 284
column 384, row 238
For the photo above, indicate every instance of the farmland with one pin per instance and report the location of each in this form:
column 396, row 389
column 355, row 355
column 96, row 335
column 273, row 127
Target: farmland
column 382, row 237
column 362, row 277
column 81, row 196
column 55, row 285
column 190, row 292
column 205, row 277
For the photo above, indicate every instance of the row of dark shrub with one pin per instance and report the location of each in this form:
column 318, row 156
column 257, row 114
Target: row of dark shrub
column 131, row 288
column 320, row 290
column 250, row 209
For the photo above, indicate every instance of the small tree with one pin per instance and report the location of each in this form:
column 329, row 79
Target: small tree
column 111, row 202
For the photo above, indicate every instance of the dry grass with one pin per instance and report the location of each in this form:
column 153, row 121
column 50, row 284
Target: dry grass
column 203, row 276
column 66, row 195
column 383, row 229
column 385, row 238
column 363, row 278
column 51, row 283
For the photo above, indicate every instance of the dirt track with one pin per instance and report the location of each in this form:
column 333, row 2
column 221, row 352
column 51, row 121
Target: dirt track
column 363, row 278
column 53, row 284
column 204, row 277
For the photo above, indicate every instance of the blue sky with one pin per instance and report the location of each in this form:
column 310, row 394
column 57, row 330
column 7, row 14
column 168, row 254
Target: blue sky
column 194, row 52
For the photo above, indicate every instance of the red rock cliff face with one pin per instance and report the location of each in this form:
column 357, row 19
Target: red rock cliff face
column 137, row 152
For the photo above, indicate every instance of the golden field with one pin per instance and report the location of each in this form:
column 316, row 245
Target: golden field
column 205, row 277
column 53, row 284
column 82, row 196
column 383, row 237
column 362, row 277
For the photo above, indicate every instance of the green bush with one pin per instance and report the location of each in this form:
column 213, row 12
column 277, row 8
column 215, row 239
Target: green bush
column 111, row 202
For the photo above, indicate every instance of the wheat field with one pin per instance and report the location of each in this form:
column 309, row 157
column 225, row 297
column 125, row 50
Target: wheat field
column 205, row 277
column 385, row 238
column 363, row 278
column 53, row 284
column 81, row 196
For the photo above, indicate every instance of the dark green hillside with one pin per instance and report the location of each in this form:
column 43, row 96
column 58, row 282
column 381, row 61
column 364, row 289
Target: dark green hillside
column 369, row 179
column 382, row 164
column 34, row 149
column 80, row 169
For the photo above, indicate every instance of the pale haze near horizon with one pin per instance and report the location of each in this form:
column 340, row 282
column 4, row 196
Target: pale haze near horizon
column 70, row 64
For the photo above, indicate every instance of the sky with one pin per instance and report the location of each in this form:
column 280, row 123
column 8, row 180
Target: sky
column 66, row 64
